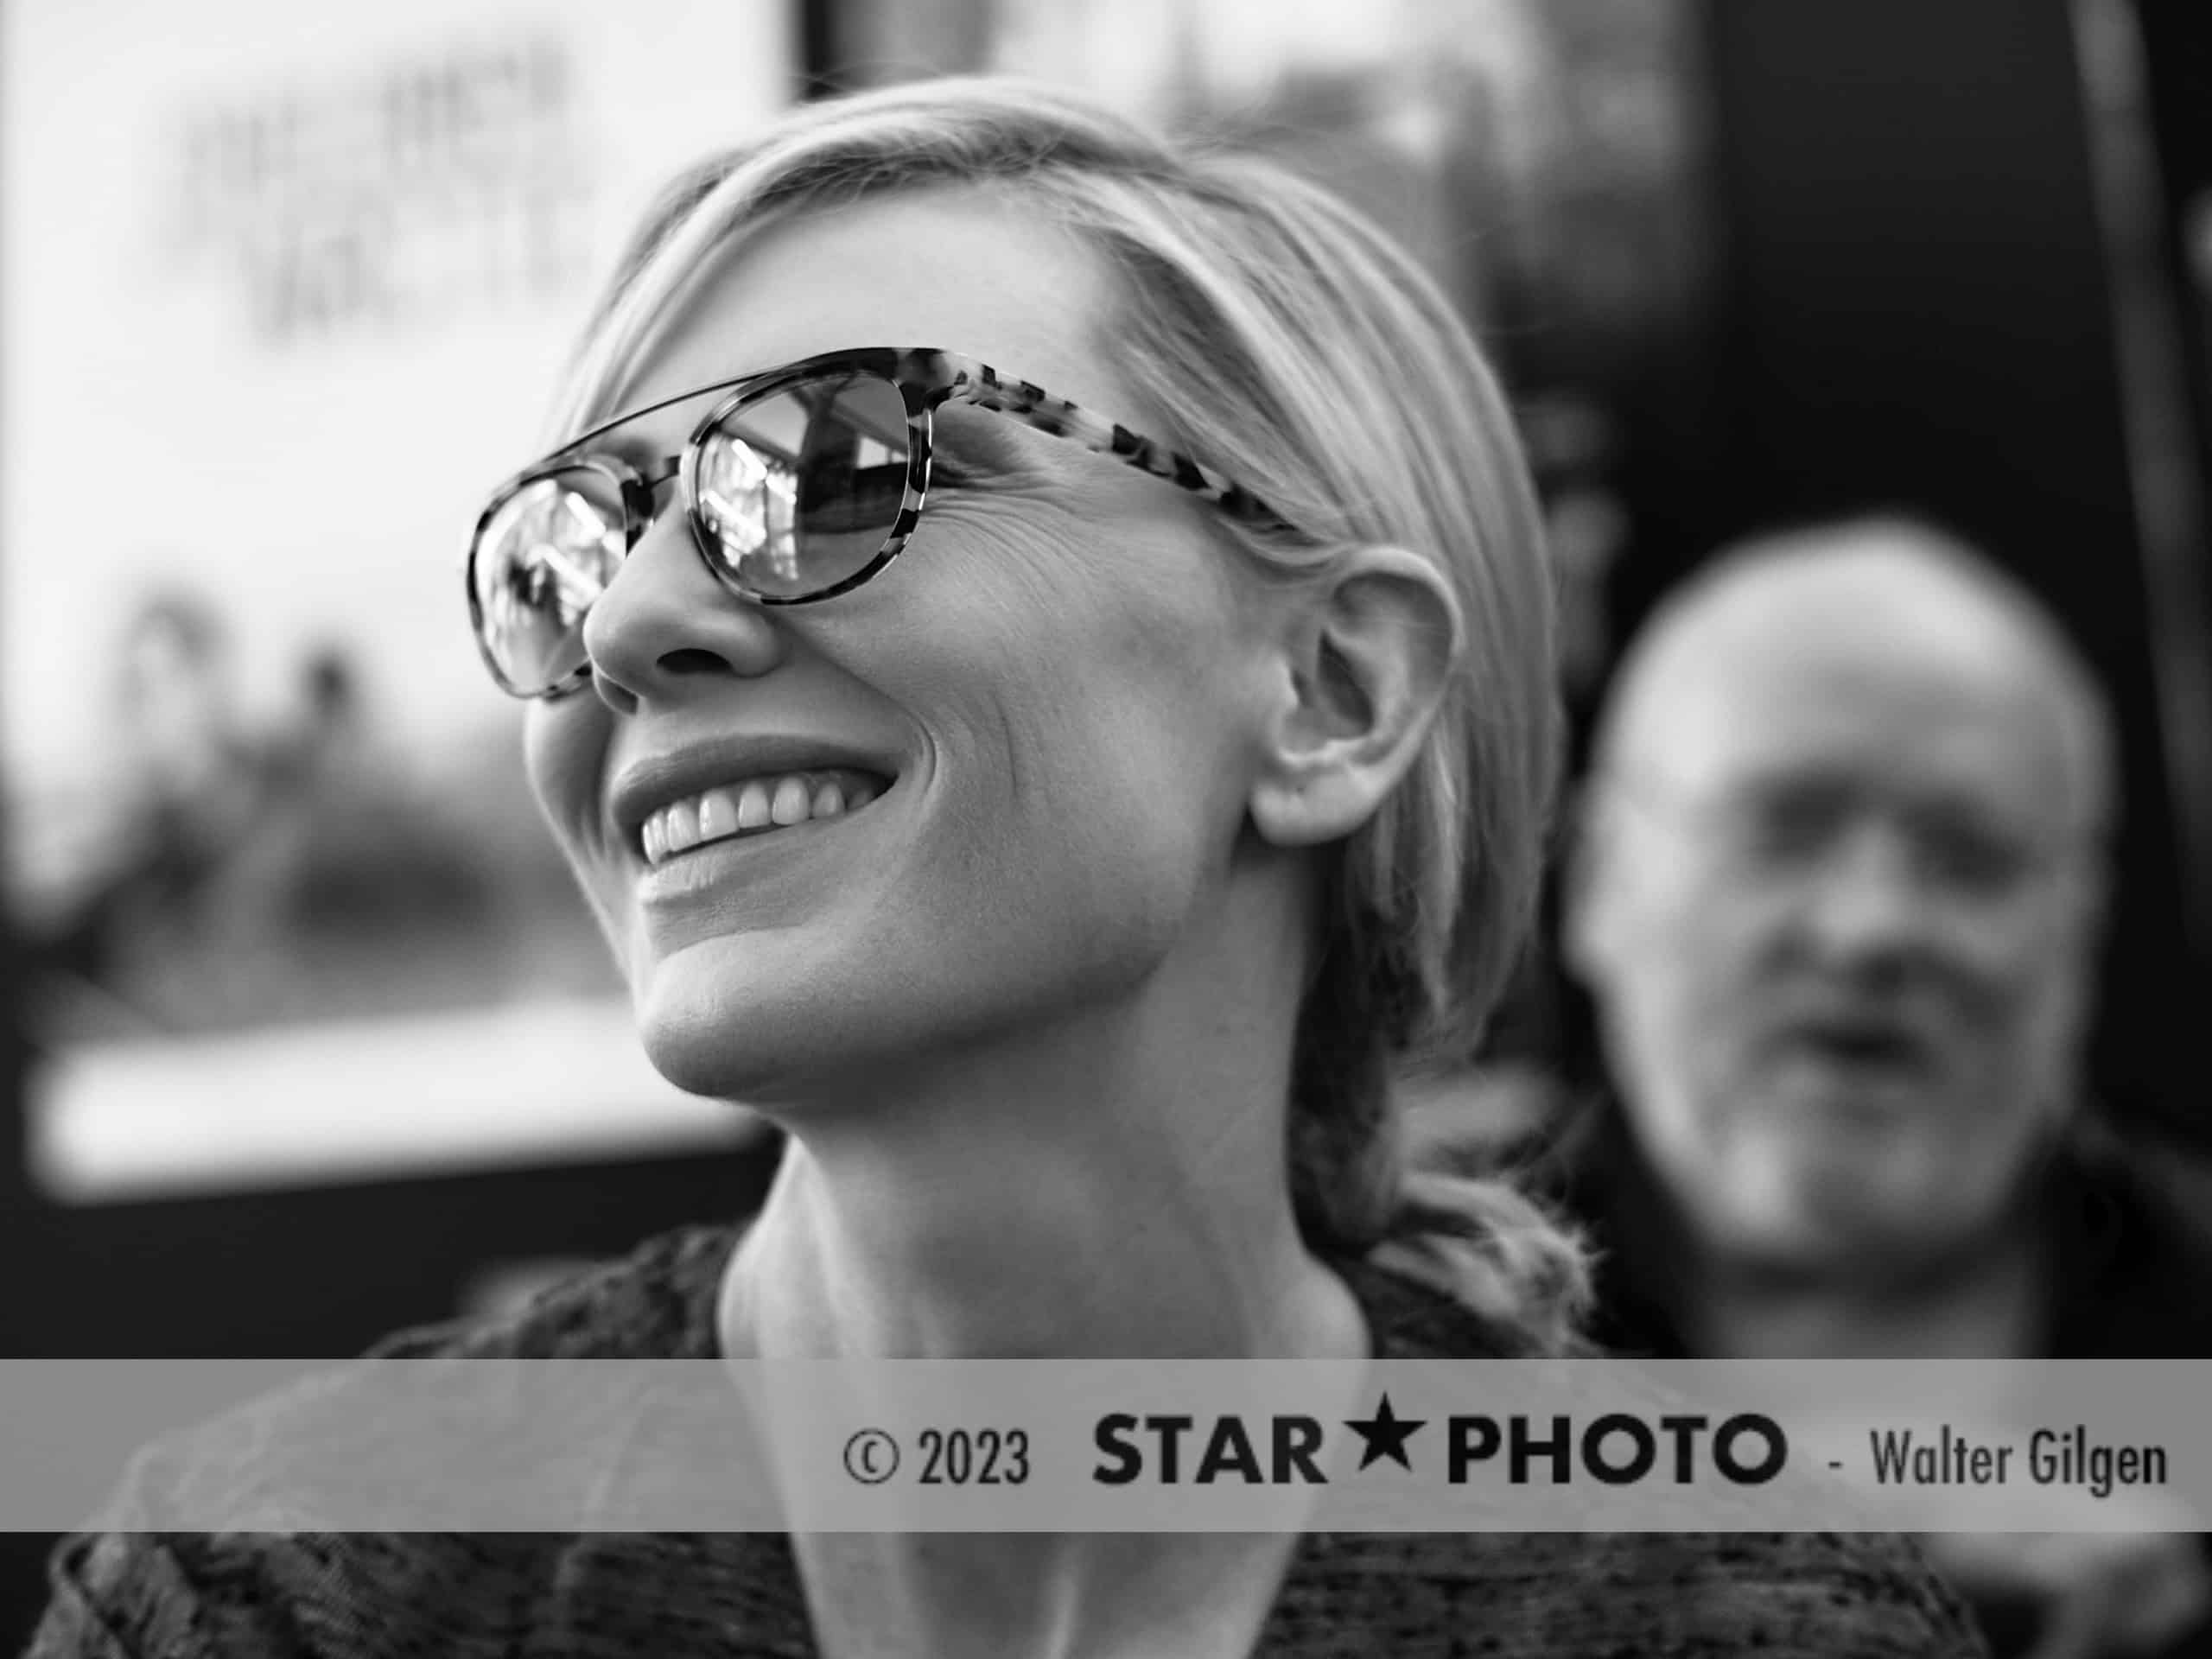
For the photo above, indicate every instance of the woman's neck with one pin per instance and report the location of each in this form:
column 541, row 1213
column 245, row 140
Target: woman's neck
column 1059, row 1219
column 1064, row 1200
column 1112, row 1185
column 1109, row 1181
column 1044, row 1595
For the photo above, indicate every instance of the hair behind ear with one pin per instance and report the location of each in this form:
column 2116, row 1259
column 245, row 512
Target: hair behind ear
column 1346, row 1158
column 1497, row 1252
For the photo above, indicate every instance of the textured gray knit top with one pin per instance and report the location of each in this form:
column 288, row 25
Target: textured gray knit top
column 1535, row 1596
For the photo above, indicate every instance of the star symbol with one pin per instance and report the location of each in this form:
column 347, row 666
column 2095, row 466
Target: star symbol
column 1385, row 1434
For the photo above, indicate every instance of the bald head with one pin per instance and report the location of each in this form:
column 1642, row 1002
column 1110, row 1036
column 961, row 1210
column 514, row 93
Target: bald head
column 1838, row 893
column 1874, row 600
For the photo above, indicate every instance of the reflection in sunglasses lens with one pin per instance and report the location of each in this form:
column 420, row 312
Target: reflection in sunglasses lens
column 799, row 491
column 545, row 555
column 802, row 487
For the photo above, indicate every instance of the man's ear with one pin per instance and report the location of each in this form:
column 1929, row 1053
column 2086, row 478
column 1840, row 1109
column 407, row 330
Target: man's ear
column 1366, row 658
column 2089, row 899
column 1596, row 899
column 1584, row 849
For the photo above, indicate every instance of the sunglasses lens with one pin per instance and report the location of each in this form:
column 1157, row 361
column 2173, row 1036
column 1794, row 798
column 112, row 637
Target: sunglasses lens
column 801, row 488
column 540, row 559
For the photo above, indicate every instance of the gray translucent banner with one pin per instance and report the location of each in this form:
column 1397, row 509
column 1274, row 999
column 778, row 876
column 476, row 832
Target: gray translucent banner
column 1426, row 1445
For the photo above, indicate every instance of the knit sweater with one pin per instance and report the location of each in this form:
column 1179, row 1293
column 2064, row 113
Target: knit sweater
column 1516, row 1595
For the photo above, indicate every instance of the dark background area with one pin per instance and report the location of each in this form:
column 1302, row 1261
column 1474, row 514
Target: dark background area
column 1913, row 308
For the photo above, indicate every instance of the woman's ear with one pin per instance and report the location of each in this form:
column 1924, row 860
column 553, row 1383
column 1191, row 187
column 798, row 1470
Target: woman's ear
column 1366, row 656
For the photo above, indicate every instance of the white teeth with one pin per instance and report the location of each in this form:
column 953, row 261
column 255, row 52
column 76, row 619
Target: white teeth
column 717, row 815
column 681, row 822
column 759, row 803
column 752, row 807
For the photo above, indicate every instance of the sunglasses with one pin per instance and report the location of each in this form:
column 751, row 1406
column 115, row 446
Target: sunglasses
column 800, row 484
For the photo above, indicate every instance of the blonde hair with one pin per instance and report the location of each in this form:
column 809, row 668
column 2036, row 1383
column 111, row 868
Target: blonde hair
column 1291, row 344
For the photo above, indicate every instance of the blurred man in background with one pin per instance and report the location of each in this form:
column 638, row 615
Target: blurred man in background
column 1837, row 899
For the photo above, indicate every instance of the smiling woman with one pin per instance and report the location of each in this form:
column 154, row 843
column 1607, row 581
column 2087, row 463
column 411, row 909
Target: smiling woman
column 1063, row 811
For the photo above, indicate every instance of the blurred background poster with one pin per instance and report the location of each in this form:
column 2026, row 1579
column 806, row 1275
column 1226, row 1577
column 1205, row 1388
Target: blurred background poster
column 284, row 294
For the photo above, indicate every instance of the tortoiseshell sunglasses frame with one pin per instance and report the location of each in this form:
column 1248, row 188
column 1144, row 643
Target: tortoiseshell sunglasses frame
column 927, row 380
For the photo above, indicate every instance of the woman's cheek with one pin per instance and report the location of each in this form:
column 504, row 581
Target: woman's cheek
column 564, row 748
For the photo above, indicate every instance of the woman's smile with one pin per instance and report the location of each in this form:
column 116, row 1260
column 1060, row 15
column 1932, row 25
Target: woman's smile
column 712, row 845
column 758, row 806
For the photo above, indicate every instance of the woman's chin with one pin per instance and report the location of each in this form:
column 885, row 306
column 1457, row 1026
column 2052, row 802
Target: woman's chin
column 717, row 1045
column 767, row 1048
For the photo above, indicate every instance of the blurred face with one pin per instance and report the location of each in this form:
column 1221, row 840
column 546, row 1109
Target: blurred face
column 1836, row 935
column 1029, row 722
column 176, row 694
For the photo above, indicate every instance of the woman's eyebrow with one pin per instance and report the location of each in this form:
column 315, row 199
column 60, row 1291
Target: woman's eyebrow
column 980, row 438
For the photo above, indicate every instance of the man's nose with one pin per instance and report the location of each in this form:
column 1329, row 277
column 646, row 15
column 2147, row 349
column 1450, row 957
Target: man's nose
column 665, row 628
column 1867, row 901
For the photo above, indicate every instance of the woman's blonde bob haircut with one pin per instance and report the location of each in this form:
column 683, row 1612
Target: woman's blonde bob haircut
column 1291, row 344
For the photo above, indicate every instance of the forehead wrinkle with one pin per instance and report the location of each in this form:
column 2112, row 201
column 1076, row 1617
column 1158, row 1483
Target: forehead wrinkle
column 1883, row 612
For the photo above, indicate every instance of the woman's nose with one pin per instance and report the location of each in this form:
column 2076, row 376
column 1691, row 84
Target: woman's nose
column 664, row 628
